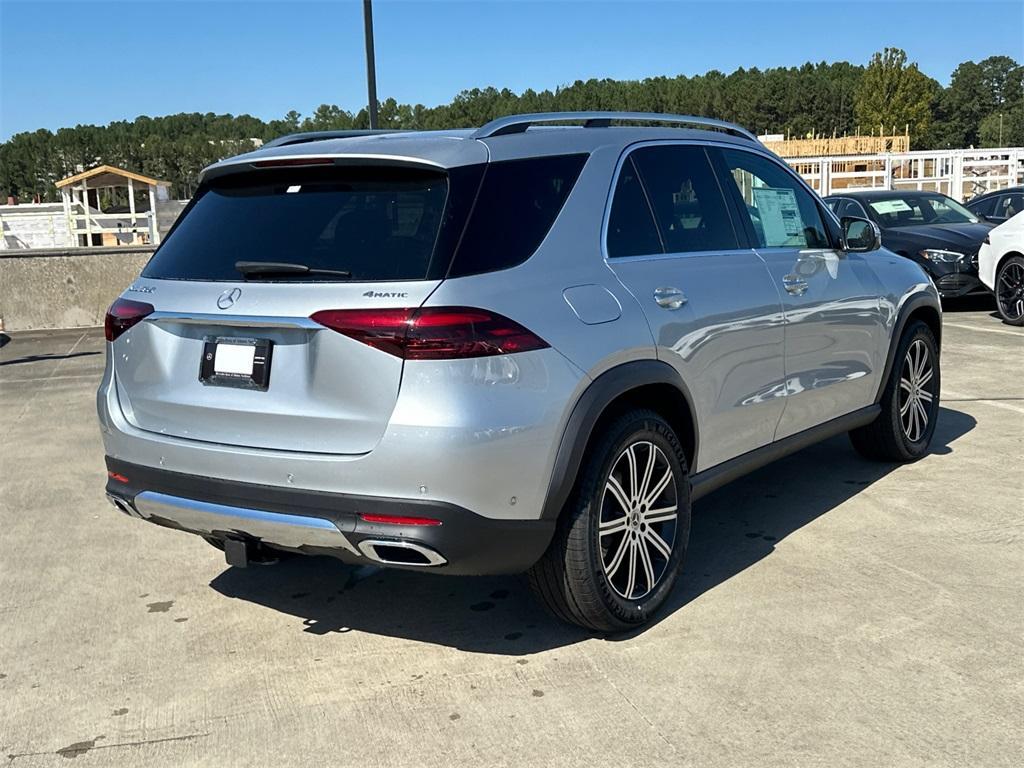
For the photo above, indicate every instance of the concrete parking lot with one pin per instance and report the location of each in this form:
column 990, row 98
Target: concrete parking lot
column 833, row 612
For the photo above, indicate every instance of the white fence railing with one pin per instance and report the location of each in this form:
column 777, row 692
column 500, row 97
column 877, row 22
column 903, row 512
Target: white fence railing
column 959, row 173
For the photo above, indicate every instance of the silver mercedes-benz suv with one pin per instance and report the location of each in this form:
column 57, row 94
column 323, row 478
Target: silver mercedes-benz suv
column 525, row 347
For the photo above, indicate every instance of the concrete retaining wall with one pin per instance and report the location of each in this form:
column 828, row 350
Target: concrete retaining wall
column 68, row 288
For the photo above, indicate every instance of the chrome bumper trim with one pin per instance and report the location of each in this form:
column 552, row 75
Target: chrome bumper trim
column 203, row 517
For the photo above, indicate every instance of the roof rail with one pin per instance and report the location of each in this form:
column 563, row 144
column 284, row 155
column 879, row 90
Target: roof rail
column 519, row 123
column 304, row 137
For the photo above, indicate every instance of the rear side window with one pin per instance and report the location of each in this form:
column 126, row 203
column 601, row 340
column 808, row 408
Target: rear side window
column 631, row 227
column 781, row 210
column 376, row 224
column 688, row 204
column 514, row 210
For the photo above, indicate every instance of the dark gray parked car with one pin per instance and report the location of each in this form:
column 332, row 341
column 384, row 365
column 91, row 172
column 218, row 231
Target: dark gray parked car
column 931, row 229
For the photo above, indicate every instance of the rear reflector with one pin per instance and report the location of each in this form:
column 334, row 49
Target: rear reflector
column 122, row 315
column 432, row 333
column 117, row 477
column 399, row 520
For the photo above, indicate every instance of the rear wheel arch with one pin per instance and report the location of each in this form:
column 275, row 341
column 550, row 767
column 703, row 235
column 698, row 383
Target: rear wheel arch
column 648, row 384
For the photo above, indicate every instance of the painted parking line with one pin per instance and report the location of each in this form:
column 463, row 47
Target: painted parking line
column 1018, row 334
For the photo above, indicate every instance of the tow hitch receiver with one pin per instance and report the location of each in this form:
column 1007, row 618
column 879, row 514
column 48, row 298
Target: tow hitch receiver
column 236, row 552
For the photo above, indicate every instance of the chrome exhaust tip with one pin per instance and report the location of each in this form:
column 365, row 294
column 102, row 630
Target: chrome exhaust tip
column 396, row 552
column 122, row 506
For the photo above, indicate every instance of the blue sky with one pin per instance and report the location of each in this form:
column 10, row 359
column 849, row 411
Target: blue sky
column 65, row 63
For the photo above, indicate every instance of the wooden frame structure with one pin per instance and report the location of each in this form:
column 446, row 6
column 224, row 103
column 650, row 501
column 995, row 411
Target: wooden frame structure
column 85, row 219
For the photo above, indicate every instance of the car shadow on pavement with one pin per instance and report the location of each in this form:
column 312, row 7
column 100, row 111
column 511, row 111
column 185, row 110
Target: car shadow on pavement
column 732, row 529
column 41, row 358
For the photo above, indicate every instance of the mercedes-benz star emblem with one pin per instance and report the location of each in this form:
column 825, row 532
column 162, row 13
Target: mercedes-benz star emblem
column 228, row 298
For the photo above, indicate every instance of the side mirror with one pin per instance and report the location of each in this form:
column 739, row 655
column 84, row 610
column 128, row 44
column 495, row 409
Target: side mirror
column 860, row 235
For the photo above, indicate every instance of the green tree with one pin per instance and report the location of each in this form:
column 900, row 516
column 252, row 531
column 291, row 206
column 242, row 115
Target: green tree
column 977, row 94
column 895, row 95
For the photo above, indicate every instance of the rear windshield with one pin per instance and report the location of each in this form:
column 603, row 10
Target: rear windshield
column 376, row 224
column 373, row 224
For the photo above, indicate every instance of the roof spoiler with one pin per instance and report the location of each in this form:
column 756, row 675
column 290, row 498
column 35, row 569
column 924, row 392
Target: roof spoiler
column 304, row 137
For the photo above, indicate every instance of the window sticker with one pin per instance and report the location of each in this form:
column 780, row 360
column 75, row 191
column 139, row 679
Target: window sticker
column 889, row 206
column 780, row 216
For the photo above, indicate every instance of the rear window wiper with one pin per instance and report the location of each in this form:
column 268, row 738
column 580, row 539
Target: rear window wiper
column 257, row 269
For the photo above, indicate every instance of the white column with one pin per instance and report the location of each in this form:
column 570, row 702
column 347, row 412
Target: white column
column 65, row 197
column 154, row 229
column 85, row 207
column 131, row 206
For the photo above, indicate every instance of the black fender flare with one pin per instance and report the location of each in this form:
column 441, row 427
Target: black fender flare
column 911, row 305
column 588, row 410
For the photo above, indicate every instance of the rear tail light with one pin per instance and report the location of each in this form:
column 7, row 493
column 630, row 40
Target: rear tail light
column 122, row 315
column 432, row 333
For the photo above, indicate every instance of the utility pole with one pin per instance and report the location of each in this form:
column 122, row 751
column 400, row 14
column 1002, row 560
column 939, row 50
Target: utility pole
column 371, row 70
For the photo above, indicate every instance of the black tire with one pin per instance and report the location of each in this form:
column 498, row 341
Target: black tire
column 1009, row 291
column 571, row 579
column 898, row 433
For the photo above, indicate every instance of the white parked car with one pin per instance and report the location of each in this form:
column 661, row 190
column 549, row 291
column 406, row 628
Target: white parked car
column 1001, row 268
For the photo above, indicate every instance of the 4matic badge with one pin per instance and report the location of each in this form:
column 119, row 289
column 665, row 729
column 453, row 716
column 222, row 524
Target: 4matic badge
column 384, row 295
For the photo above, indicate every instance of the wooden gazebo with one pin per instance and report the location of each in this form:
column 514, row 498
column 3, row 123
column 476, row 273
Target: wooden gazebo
column 81, row 196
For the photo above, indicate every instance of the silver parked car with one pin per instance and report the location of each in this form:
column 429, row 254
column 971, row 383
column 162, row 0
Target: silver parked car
column 525, row 347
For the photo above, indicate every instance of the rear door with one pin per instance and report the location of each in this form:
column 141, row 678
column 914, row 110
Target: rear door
column 710, row 302
column 237, row 360
column 835, row 330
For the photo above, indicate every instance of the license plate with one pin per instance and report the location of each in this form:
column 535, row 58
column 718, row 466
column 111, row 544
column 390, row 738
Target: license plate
column 230, row 361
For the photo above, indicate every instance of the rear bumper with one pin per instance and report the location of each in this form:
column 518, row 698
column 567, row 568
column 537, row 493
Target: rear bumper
column 321, row 523
column 480, row 434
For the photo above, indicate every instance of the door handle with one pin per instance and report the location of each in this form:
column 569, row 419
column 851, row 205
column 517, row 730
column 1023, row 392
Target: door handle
column 794, row 284
column 669, row 298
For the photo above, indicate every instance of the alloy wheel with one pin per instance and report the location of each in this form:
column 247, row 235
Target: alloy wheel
column 1010, row 291
column 916, row 398
column 637, row 531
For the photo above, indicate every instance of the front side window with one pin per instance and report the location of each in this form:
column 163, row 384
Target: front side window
column 631, row 227
column 689, row 208
column 852, row 208
column 1009, row 206
column 782, row 212
column 983, row 207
